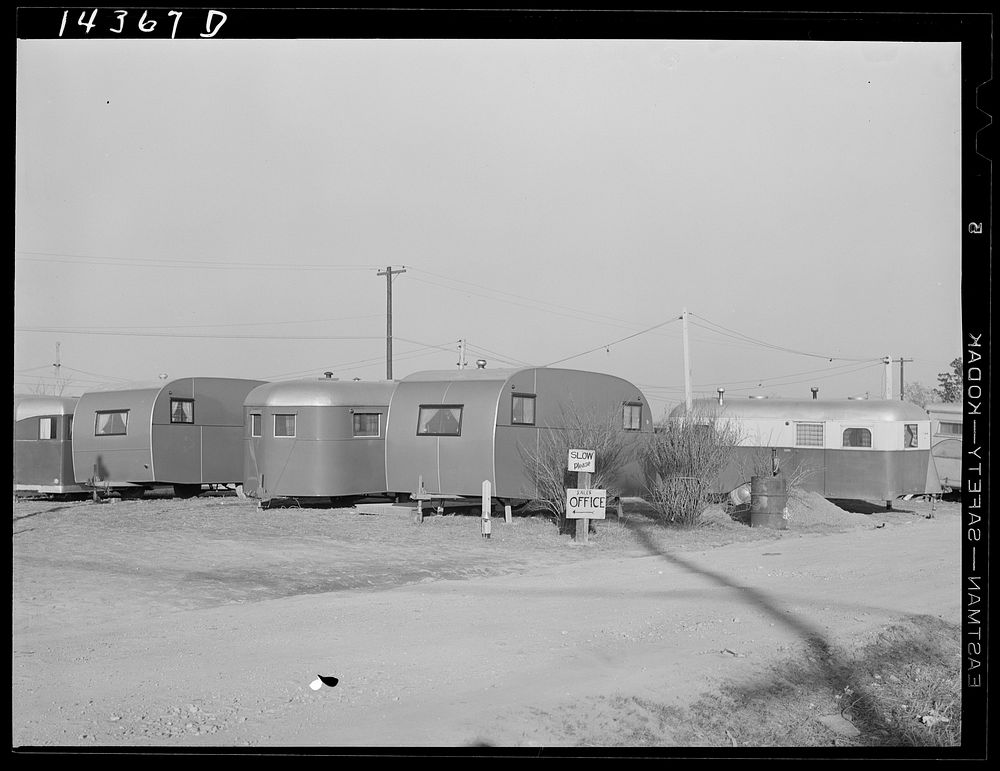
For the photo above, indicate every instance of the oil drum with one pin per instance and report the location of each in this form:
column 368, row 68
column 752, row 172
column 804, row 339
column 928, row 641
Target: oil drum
column 768, row 499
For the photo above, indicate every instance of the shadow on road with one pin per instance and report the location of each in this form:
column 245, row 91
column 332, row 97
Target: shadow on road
column 44, row 511
column 831, row 667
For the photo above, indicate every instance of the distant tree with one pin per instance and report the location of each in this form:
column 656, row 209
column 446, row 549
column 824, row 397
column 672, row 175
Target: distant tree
column 918, row 394
column 951, row 384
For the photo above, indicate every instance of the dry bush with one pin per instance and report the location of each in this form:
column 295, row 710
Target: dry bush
column 546, row 465
column 682, row 460
column 760, row 463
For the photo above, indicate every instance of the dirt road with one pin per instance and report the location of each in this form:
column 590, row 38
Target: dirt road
column 168, row 623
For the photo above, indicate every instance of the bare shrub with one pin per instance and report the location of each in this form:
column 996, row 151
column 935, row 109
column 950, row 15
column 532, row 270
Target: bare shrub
column 682, row 459
column 760, row 462
column 546, row 464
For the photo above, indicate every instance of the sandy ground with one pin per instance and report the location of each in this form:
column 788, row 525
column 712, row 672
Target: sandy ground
column 200, row 623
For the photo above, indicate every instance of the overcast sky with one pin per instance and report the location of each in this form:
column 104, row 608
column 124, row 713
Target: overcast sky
column 222, row 207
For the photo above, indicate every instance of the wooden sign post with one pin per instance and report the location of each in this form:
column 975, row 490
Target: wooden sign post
column 584, row 504
column 583, row 525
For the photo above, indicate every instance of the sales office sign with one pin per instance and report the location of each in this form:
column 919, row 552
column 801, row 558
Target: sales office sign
column 586, row 504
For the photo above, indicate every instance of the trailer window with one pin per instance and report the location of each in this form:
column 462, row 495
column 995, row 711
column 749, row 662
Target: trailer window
column 111, row 423
column 367, row 423
column 809, row 434
column 254, row 424
column 857, row 437
column 46, row 428
column 284, row 425
column 632, row 416
column 952, row 429
column 182, row 410
column 440, row 420
column 522, row 409
column 909, row 435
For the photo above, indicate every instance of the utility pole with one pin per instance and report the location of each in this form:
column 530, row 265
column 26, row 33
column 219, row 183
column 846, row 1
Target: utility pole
column 887, row 361
column 901, row 360
column 461, row 354
column 389, row 273
column 687, row 363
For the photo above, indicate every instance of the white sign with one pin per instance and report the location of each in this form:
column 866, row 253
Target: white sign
column 586, row 504
column 583, row 460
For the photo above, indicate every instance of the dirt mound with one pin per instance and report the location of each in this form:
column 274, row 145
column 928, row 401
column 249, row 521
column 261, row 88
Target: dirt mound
column 813, row 511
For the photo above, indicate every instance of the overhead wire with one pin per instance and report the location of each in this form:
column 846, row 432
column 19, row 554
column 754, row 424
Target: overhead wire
column 541, row 305
column 68, row 331
column 762, row 343
column 158, row 262
column 615, row 342
column 165, row 327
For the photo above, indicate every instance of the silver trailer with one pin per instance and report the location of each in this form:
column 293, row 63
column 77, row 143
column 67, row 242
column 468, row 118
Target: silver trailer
column 455, row 429
column 186, row 433
column 946, row 442
column 315, row 438
column 43, row 447
column 850, row 448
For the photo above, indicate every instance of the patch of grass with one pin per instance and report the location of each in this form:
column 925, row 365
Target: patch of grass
column 902, row 689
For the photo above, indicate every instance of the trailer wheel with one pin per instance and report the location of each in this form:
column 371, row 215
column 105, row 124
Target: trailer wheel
column 186, row 491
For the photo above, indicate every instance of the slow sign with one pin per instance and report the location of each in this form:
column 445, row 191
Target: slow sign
column 586, row 504
column 583, row 460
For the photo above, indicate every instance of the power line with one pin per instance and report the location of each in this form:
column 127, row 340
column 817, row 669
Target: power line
column 167, row 327
column 64, row 330
column 362, row 362
column 772, row 382
column 740, row 335
column 498, row 356
column 621, row 340
column 546, row 305
column 185, row 264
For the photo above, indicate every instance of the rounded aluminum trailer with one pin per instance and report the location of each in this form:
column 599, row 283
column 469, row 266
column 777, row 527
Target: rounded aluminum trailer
column 187, row 433
column 851, row 449
column 43, row 445
column 946, row 442
column 315, row 439
column 451, row 430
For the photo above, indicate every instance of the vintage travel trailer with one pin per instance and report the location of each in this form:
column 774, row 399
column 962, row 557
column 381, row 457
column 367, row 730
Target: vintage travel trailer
column 454, row 429
column 186, row 433
column 851, row 448
column 946, row 442
column 315, row 438
column 43, row 447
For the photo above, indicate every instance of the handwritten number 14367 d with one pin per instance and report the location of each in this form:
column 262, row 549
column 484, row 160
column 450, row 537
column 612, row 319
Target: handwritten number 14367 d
column 213, row 22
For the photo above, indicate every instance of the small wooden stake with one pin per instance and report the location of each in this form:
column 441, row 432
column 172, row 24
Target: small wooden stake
column 506, row 514
column 487, row 505
column 418, row 517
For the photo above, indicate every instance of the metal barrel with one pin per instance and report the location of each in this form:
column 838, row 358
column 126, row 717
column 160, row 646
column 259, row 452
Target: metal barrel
column 768, row 499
